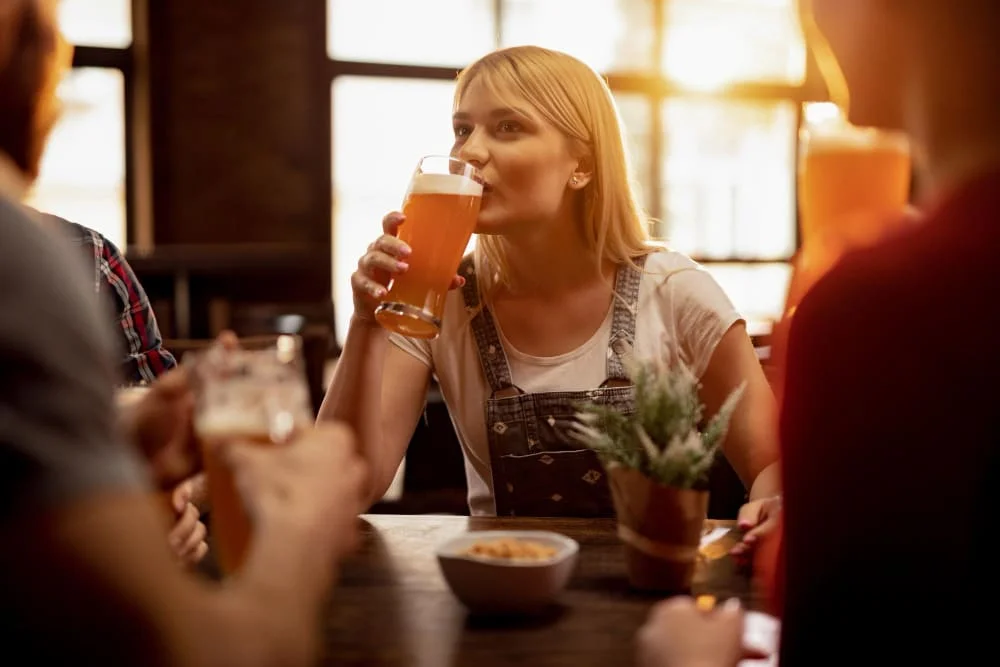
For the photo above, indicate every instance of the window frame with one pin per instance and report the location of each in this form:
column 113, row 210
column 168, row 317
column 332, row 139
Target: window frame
column 122, row 60
column 655, row 87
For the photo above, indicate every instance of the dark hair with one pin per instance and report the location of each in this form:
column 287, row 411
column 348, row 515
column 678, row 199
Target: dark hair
column 27, row 42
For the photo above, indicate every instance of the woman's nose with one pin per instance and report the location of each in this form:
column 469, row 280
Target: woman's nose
column 473, row 150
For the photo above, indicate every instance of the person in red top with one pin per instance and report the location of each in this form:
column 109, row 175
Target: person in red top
column 889, row 425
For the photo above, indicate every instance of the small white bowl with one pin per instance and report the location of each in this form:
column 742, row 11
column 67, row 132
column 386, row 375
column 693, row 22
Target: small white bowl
column 504, row 586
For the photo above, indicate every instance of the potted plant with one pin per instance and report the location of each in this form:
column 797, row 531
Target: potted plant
column 658, row 460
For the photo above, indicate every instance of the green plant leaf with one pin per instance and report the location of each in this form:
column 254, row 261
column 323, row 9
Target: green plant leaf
column 661, row 439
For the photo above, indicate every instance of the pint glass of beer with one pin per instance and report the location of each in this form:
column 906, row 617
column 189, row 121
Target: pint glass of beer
column 441, row 208
column 853, row 188
column 257, row 396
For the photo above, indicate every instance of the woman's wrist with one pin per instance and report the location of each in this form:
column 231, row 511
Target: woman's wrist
column 365, row 321
column 767, row 485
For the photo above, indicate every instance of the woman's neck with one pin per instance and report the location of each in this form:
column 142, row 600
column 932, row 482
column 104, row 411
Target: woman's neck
column 551, row 259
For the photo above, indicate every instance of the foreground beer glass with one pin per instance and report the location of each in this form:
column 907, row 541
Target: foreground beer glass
column 441, row 208
column 853, row 183
column 258, row 396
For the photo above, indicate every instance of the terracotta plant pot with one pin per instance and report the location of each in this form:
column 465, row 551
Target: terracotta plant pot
column 661, row 528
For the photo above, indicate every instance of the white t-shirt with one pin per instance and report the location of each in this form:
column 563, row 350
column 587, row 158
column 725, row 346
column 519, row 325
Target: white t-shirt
column 682, row 313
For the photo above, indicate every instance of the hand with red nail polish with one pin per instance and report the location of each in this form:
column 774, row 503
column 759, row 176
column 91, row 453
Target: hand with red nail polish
column 385, row 258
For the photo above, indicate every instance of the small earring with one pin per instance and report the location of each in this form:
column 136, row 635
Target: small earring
column 574, row 180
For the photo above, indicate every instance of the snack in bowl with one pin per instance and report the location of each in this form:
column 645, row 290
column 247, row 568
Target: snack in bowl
column 507, row 572
column 511, row 548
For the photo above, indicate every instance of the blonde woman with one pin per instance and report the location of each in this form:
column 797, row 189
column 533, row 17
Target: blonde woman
column 563, row 282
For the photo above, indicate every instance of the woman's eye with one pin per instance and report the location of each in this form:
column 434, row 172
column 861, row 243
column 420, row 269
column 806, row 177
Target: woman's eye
column 462, row 131
column 509, row 126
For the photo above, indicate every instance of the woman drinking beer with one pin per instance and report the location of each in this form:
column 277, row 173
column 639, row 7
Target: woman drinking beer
column 563, row 283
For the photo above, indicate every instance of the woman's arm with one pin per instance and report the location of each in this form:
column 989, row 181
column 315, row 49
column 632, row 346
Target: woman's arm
column 751, row 445
column 380, row 391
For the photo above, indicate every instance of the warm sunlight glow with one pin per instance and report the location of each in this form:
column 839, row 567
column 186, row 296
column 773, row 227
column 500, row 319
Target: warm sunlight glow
column 710, row 44
column 728, row 189
column 757, row 290
column 83, row 168
column 450, row 33
column 721, row 175
column 97, row 22
column 374, row 155
column 608, row 35
column 821, row 113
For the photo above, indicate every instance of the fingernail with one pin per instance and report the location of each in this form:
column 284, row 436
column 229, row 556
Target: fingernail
column 378, row 292
column 750, row 539
column 405, row 250
column 737, row 550
column 402, row 266
column 732, row 605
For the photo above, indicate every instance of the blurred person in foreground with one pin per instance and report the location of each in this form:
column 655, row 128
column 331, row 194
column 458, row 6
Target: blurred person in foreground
column 142, row 359
column 85, row 573
column 890, row 442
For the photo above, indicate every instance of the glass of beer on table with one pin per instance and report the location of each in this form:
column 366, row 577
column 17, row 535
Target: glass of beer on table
column 441, row 208
column 258, row 396
column 854, row 184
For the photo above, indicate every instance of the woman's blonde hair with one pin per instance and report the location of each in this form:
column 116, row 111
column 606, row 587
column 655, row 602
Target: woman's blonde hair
column 574, row 99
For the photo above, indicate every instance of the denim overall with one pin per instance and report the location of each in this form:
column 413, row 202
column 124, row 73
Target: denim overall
column 538, row 467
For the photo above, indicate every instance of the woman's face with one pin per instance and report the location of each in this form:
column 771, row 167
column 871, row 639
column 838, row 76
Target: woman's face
column 526, row 162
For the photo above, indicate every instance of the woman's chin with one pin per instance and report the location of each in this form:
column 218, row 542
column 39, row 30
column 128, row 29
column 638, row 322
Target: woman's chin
column 488, row 224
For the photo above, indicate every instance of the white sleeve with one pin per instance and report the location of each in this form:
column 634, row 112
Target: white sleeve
column 418, row 348
column 702, row 315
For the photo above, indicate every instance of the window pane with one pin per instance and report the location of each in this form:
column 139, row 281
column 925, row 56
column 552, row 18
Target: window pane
column 428, row 32
column 757, row 290
column 635, row 111
column 97, row 22
column 609, row 35
column 729, row 177
column 712, row 43
column 83, row 170
column 381, row 127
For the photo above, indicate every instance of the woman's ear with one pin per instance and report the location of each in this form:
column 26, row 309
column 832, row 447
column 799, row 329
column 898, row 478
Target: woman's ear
column 583, row 173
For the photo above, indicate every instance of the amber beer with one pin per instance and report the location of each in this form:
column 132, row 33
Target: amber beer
column 441, row 209
column 231, row 526
column 257, row 396
column 853, row 188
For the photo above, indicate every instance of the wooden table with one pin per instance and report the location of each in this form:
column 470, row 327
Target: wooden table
column 393, row 607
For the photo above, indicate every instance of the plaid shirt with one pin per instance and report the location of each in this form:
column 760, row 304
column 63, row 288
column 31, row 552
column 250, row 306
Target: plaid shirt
column 140, row 342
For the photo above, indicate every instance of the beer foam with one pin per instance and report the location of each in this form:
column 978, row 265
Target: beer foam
column 445, row 184
column 847, row 138
column 232, row 424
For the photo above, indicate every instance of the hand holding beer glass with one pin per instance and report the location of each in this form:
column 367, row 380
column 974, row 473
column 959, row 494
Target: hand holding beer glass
column 440, row 209
column 257, row 396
